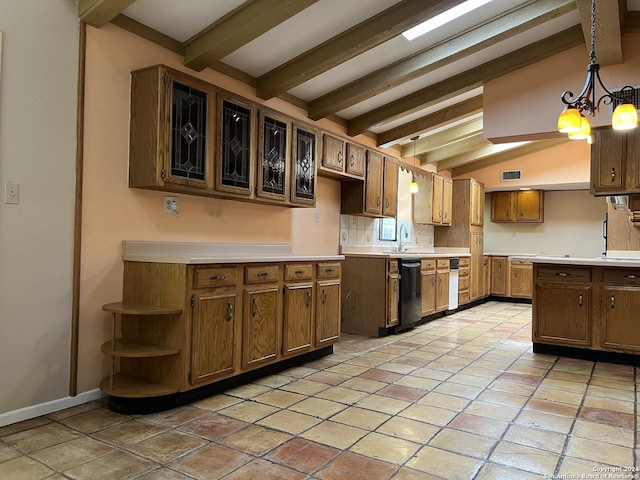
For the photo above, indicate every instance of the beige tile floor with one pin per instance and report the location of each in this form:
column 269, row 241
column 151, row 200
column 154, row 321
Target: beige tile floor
column 462, row 397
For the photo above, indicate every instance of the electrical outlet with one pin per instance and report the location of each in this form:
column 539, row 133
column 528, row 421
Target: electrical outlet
column 317, row 215
column 171, row 205
column 11, row 193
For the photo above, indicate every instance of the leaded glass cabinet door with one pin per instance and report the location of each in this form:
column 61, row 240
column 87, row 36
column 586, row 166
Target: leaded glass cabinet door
column 273, row 156
column 235, row 146
column 188, row 133
column 304, row 165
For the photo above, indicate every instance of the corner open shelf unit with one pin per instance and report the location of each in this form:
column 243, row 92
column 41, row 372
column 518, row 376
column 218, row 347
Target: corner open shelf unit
column 120, row 385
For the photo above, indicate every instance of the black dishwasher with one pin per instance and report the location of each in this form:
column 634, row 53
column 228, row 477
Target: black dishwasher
column 410, row 299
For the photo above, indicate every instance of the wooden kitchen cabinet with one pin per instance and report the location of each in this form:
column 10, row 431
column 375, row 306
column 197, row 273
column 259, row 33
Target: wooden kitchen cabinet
column 477, row 203
column 230, row 318
column 393, row 291
column 520, row 279
column 486, row 281
column 463, row 281
column 463, row 233
column 433, row 203
column 333, row 151
column 442, row 284
column 328, row 288
column 620, row 306
column 356, row 160
column 171, row 131
column 135, row 345
column 499, row 275
column 377, row 196
column 342, row 159
column 297, row 319
column 304, row 165
column 614, row 165
column 526, row 206
column 274, row 156
column 562, row 305
column 428, row 285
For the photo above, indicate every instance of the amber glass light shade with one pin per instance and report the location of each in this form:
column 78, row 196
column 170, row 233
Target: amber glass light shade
column 584, row 132
column 569, row 121
column 625, row 117
column 413, row 186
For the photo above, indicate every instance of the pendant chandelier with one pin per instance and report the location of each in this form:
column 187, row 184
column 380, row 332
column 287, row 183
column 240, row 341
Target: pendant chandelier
column 413, row 186
column 573, row 121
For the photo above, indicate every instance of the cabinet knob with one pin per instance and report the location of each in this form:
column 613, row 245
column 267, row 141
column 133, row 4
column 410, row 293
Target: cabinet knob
column 308, row 299
column 378, row 201
column 263, row 274
column 254, row 307
column 563, row 274
column 324, row 296
column 613, row 174
column 352, row 161
column 340, row 157
column 631, row 276
column 219, row 276
column 386, row 203
column 613, row 301
column 229, row 311
column 580, row 300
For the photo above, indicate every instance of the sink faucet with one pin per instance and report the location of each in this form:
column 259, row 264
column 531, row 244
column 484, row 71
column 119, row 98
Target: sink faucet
column 402, row 246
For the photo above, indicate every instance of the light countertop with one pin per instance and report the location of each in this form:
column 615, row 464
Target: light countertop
column 203, row 253
column 593, row 262
column 411, row 252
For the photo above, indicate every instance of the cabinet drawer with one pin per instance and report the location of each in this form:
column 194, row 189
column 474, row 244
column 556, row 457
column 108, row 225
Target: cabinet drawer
column 463, row 297
column 428, row 264
column 298, row 271
column 442, row 264
column 627, row 276
column 329, row 270
column 465, row 262
column 463, row 283
column 261, row 274
column 463, row 272
column 521, row 262
column 392, row 266
column 214, row 277
column 564, row 274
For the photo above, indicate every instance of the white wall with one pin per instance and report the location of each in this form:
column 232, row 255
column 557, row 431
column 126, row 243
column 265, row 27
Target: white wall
column 38, row 98
column 572, row 226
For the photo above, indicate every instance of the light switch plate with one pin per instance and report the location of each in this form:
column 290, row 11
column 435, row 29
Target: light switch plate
column 11, row 193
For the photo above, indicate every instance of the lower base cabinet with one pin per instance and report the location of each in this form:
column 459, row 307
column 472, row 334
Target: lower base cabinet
column 587, row 307
column 442, row 284
column 205, row 323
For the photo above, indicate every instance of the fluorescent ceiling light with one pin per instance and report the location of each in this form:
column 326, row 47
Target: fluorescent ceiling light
column 444, row 17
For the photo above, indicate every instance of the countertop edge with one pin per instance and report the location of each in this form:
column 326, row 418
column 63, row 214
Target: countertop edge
column 594, row 262
column 200, row 259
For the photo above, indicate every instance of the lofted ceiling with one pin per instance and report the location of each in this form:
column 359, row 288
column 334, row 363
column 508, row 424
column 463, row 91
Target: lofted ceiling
column 348, row 61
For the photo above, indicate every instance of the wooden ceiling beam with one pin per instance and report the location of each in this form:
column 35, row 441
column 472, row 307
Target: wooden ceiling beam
column 466, row 81
column 442, row 138
column 100, row 12
column 608, row 31
column 446, row 52
column 485, row 161
column 431, row 121
column 237, row 28
column 349, row 44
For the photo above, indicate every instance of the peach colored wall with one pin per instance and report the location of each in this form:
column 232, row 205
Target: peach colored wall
column 112, row 212
column 564, row 165
column 530, row 97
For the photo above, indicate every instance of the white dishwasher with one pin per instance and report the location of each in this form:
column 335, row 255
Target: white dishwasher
column 454, row 266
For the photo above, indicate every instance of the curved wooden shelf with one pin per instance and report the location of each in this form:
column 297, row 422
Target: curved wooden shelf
column 129, row 349
column 131, row 309
column 128, row 387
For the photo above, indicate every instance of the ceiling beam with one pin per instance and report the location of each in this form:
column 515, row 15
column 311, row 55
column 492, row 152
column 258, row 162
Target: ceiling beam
column 471, row 144
column 467, row 81
column 100, row 12
column 446, row 52
column 608, row 32
column 500, row 157
column 440, row 139
column 431, row 121
column 349, row 44
column 237, row 28
column 148, row 33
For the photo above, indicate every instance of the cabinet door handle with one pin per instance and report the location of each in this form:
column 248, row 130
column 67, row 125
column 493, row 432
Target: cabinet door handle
column 219, row 276
column 515, row 274
column 613, row 174
column 328, row 270
column 340, row 157
column 308, row 299
column 580, row 300
column 352, row 161
column 522, row 213
column 299, row 272
column 507, row 213
column 263, row 274
column 386, row 203
column 254, row 307
column 613, row 301
column 324, row 296
column 378, row 201
column 433, row 280
column 563, row 274
column 229, row 311
column 631, row 276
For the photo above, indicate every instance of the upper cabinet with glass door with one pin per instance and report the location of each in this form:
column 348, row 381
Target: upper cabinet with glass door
column 172, row 118
column 304, row 165
column 235, row 148
column 274, row 140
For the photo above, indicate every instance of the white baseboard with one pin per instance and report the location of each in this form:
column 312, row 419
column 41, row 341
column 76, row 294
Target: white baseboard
column 34, row 411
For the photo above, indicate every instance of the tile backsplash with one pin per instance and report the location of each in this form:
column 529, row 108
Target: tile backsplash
column 356, row 230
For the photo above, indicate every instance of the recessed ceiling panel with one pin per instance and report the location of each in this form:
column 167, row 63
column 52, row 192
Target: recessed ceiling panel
column 181, row 19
